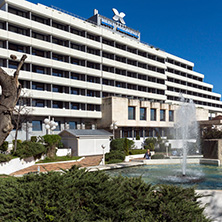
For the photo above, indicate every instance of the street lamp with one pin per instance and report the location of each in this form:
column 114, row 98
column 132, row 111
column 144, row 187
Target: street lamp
column 167, row 146
column 50, row 125
column 103, row 147
column 113, row 127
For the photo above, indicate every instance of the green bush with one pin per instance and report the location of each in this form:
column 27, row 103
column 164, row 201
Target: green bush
column 5, row 158
column 78, row 195
column 18, row 142
column 115, row 155
column 114, row 161
column 28, row 149
column 137, row 137
column 149, row 143
column 157, row 156
column 51, row 142
column 118, row 144
column 137, row 151
column 34, row 139
column 4, row 146
column 209, row 133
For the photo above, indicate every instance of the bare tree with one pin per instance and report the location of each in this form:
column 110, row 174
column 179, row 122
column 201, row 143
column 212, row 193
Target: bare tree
column 21, row 114
column 11, row 89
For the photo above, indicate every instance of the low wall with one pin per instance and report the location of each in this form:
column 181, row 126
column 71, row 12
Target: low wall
column 15, row 165
column 169, row 161
column 63, row 152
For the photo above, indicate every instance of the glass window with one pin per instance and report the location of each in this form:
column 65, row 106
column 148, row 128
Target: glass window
column 37, row 125
column 74, row 91
column 37, row 103
column 153, row 114
column 142, row 113
column 162, row 115
column 171, row 115
column 38, row 86
column 75, row 106
column 131, row 112
column 72, row 125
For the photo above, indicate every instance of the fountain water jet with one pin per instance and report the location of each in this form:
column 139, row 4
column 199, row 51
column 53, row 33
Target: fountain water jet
column 186, row 127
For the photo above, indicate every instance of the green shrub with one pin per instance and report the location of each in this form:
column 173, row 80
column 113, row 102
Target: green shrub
column 51, row 142
column 29, row 149
column 4, row 146
column 114, row 161
column 18, row 142
column 137, row 151
column 34, row 139
column 209, row 133
column 5, row 158
column 150, row 146
column 78, row 195
column 149, row 143
column 137, row 137
column 119, row 144
column 157, row 156
column 115, row 154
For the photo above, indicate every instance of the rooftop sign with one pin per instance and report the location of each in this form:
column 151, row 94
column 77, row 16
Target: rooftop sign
column 118, row 16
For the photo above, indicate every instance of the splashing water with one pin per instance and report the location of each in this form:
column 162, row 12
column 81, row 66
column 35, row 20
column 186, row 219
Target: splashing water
column 186, row 127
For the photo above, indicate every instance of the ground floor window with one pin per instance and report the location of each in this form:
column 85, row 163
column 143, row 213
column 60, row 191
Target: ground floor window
column 36, row 125
column 72, row 125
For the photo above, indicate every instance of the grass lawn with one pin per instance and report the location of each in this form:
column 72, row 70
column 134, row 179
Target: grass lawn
column 59, row 158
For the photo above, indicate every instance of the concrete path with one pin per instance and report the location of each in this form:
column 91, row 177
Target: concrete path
column 213, row 204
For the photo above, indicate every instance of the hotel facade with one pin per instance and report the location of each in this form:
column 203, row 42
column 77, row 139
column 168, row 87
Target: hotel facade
column 96, row 72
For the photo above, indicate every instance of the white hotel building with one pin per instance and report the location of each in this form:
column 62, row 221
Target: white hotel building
column 95, row 72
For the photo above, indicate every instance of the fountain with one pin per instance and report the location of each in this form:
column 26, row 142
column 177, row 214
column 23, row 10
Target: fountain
column 186, row 128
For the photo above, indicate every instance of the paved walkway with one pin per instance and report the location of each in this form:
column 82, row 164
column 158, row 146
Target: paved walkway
column 86, row 162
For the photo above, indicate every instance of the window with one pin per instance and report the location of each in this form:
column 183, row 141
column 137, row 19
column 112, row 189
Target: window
column 57, row 104
column 75, row 106
column 37, row 86
column 162, row 115
column 72, row 125
column 38, row 103
column 75, row 91
column 153, row 114
column 142, row 113
column 37, row 125
column 171, row 115
column 131, row 113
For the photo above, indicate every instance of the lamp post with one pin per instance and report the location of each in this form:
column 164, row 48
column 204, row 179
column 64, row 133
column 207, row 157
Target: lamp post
column 50, row 125
column 113, row 127
column 103, row 147
column 167, row 146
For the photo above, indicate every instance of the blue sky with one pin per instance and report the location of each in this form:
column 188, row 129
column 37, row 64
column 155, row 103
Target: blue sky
column 190, row 29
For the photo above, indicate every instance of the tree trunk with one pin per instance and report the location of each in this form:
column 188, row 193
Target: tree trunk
column 11, row 90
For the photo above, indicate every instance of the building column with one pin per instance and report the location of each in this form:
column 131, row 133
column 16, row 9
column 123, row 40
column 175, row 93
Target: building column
column 133, row 133
column 121, row 133
column 144, row 134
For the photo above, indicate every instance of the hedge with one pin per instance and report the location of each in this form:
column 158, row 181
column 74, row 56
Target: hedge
column 78, row 195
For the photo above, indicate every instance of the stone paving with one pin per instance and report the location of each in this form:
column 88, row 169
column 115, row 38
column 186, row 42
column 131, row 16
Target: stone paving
column 86, row 162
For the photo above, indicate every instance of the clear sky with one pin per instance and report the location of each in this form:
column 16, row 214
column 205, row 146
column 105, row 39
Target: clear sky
column 190, row 29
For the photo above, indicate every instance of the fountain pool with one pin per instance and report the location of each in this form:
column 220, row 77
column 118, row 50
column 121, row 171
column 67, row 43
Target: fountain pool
column 201, row 176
